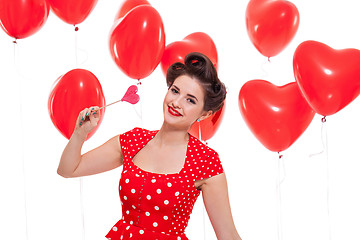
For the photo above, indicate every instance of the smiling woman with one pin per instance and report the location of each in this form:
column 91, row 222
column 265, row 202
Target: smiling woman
column 164, row 171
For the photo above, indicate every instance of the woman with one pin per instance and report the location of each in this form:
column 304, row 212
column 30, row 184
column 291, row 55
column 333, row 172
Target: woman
column 165, row 170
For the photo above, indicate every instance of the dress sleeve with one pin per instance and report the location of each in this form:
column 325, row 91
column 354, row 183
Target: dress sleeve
column 211, row 166
column 125, row 139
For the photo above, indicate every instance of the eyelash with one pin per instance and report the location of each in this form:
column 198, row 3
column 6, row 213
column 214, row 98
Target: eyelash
column 190, row 100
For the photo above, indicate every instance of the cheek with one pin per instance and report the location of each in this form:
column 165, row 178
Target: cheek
column 194, row 110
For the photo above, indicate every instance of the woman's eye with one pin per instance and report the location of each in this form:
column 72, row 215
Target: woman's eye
column 190, row 100
column 174, row 90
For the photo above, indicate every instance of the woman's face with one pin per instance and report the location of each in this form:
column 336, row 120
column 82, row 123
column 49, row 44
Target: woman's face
column 184, row 102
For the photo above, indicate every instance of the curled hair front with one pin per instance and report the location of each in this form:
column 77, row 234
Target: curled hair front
column 200, row 67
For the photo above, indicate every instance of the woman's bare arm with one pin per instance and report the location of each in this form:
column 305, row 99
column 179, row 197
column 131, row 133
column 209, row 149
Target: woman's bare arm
column 216, row 201
column 106, row 157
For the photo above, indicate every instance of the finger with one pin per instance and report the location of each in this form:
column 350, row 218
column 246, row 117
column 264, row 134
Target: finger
column 82, row 116
column 94, row 112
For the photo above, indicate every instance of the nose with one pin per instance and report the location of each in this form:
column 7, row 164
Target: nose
column 176, row 102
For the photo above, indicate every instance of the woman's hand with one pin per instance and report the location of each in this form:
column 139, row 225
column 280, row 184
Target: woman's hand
column 87, row 120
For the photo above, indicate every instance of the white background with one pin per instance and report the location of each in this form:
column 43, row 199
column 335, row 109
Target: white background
column 32, row 192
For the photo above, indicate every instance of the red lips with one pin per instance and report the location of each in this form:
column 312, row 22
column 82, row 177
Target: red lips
column 173, row 112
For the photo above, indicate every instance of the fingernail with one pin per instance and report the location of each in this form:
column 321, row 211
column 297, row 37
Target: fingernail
column 87, row 114
column 94, row 113
column 80, row 123
column 82, row 118
column 93, row 109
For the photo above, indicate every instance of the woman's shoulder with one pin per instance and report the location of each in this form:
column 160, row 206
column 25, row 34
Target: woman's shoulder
column 200, row 147
column 137, row 134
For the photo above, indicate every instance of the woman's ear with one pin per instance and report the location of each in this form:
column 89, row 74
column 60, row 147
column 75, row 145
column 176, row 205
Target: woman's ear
column 206, row 115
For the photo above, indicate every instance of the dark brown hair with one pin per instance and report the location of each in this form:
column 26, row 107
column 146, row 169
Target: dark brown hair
column 200, row 67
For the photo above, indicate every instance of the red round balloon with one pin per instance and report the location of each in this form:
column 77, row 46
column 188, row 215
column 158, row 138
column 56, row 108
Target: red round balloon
column 271, row 25
column 72, row 11
column 23, row 18
column 137, row 42
column 72, row 92
column 127, row 6
column 277, row 116
column 195, row 42
column 206, row 129
column 329, row 79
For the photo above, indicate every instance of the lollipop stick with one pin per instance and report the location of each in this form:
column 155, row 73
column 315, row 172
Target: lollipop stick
column 110, row 104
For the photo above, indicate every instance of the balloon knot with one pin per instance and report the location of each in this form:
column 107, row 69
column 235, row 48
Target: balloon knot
column 15, row 41
column 139, row 82
column 76, row 29
column 269, row 59
column 280, row 155
column 323, row 119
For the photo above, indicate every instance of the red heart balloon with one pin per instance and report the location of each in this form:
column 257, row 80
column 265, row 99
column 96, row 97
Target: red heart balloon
column 22, row 18
column 206, row 129
column 72, row 12
column 127, row 6
column 195, row 42
column 137, row 42
column 329, row 79
column 71, row 93
column 131, row 95
column 271, row 25
column 277, row 116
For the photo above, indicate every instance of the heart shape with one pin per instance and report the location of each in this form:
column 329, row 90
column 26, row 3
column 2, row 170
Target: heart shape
column 329, row 79
column 195, row 42
column 127, row 6
column 271, row 25
column 277, row 116
column 131, row 95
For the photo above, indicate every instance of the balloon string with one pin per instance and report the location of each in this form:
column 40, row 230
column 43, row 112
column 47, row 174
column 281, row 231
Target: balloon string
column 22, row 141
column 263, row 69
column 140, row 112
column 323, row 129
column 327, row 180
column 204, row 226
column 82, row 213
column 324, row 141
column 279, row 180
column 77, row 49
column 82, row 208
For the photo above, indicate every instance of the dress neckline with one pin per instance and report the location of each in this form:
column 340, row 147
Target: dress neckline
column 153, row 133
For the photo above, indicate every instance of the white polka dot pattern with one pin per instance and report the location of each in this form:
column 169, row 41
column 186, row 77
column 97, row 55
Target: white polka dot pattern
column 160, row 203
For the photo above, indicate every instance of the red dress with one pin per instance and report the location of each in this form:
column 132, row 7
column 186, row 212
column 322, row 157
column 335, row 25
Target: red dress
column 158, row 206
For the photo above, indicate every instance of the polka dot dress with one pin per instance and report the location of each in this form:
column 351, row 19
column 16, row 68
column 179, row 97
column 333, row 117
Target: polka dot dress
column 158, row 206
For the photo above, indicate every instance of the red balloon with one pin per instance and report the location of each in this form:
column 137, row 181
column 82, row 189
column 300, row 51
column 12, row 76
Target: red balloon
column 277, row 116
column 71, row 93
column 206, row 129
column 72, row 11
column 195, row 42
column 137, row 42
column 23, row 18
column 271, row 25
column 329, row 79
column 127, row 6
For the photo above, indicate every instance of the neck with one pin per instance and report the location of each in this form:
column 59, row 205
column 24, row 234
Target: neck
column 171, row 136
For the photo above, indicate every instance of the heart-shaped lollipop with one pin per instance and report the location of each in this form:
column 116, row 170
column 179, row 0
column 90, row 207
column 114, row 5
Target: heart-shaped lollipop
column 131, row 95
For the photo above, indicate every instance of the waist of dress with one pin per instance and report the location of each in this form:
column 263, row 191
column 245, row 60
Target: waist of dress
column 124, row 230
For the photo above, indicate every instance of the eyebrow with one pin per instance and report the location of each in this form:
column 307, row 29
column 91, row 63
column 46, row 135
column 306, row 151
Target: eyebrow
column 192, row 96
